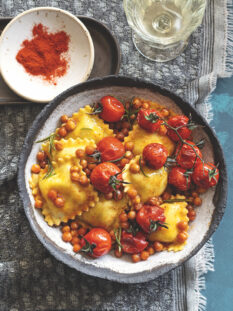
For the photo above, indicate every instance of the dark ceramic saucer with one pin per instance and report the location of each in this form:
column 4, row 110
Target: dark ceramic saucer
column 110, row 267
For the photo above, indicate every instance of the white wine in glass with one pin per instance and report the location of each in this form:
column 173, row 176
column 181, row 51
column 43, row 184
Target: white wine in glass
column 161, row 28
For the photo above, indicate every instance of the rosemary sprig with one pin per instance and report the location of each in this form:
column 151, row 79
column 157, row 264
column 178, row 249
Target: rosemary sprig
column 158, row 223
column 117, row 233
column 153, row 117
column 114, row 182
column 140, row 165
column 129, row 112
column 96, row 109
column 50, row 139
column 88, row 247
column 176, row 200
column 50, row 171
column 133, row 228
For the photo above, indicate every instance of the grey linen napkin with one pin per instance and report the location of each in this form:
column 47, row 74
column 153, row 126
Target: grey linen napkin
column 30, row 278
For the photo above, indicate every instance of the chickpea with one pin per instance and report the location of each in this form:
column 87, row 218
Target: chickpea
column 165, row 112
column 191, row 215
column 80, row 153
column 58, row 145
column 38, row 203
column 84, row 181
column 35, row 168
column 137, row 103
column 166, row 195
column 108, row 196
column 133, row 116
column 83, row 163
column 118, row 253
column 201, row 190
column 75, row 240
column 123, row 217
column 125, row 225
column 123, row 162
column 41, row 156
column 151, row 250
column 126, row 125
column 43, row 164
column 158, row 247
column 132, row 215
column 136, row 257
column 70, row 125
column 91, row 166
column 137, row 199
column 189, row 207
column 145, row 106
column 82, row 231
column 66, row 237
column 117, row 195
column 162, row 130
column 132, row 193
column 52, row 194
column 74, row 225
column 120, row 136
column 87, row 171
column 64, row 118
column 74, row 233
column 138, row 206
column 77, row 248
column 182, row 225
column 65, row 229
column 112, row 234
column 125, row 132
column 182, row 236
column 129, row 146
column 153, row 201
column 143, row 162
column 75, row 169
column 194, row 194
column 128, row 155
column 62, row 131
column 197, row 201
column 144, row 255
column 134, row 168
column 59, row 202
column 89, row 150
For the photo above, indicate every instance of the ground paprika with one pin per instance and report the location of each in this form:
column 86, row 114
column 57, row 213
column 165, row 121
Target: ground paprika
column 43, row 54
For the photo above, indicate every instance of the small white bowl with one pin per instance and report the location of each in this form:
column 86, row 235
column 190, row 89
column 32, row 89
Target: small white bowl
column 80, row 53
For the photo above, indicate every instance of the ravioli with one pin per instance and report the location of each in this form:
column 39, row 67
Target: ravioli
column 77, row 197
column 174, row 213
column 141, row 138
column 147, row 187
column 89, row 126
column 104, row 214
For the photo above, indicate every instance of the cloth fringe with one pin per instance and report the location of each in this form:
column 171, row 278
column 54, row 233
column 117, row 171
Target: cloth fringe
column 204, row 263
column 229, row 40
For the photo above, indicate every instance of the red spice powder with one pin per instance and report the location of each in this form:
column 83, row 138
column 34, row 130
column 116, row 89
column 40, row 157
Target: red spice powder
column 42, row 55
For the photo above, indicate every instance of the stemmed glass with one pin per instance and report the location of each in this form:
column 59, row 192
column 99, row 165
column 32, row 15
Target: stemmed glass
column 161, row 28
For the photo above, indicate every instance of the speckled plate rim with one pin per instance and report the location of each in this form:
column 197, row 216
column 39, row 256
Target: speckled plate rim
column 220, row 197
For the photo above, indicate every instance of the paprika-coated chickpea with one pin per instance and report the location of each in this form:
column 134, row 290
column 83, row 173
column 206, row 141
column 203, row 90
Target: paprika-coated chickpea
column 118, row 253
column 120, row 136
column 52, row 194
column 126, row 125
column 158, row 247
column 74, row 225
column 132, row 215
column 133, row 116
column 43, row 164
column 166, row 195
column 58, row 145
column 123, row 162
column 62, row 131
column 80, row 153
column 128, row 155
column 59, row 202
column 74, row 232
column 123, row 217
column 91, row 166
column 136, row 258
column 38, row 203
column 138, row 206
column 182, row 225
column 70, row 125
column 125, row 131
column 137, row 199
column 89, row 150
column 144, row 255
column 194, row 194
column 197, row 201
column 64, row 118
column 129, row 146
column 165, row 113
column 84, row 181
column 75, row 169
column 41, row 156
column 108, row 196
column 151, row 250
column 75, row 176
column 82, row 231
column 83, row 163
column 117, row 195
column 66, row 237
column 35, row 168
column 125, row 225
column 191, row 214
column 77, row 248
column 87, row 171
column 162, row 130
column 145, row 106
column 65, row 229
column 182, row 236
column 134, row 168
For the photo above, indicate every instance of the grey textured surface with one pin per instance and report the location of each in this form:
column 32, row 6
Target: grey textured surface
column 30, row 278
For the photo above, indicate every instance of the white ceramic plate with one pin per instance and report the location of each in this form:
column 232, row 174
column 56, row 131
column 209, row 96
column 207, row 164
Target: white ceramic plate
column 80, row 54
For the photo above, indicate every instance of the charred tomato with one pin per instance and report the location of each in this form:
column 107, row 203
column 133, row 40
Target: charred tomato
column 155, row 155
column 97, row 242
column 149, row 119
column 179, row 178
column 186, row 156
column 181, row 122
column 112, row 110
column 205, row 175
column 110, row 149
column 150, row 217
column 133, row 244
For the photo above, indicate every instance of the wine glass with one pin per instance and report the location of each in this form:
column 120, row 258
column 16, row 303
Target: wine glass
column 161, row 28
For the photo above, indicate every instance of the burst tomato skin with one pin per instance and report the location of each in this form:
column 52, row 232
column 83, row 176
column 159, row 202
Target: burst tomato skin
column 146, row 124
column 101, row 239
column 177, row 178
column 186, row 156
column 149, row 213
column 175, row 122
column 155, row 155
column 202, row 176
column 113, row 109
column 133, row 244
column 110, row 149
column 101, row 174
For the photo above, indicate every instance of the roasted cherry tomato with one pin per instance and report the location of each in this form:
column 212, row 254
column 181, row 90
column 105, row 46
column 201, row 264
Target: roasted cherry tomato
column 112, row 109
column 186, row 157
column 133, row 244
column 176, row 122
column 106, row 176
column 149, row 119
column 155, row 155
column 205, row 175
column 110, row 149
column 179, row 178
column 96, row 242
column 148, row 215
